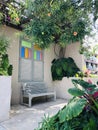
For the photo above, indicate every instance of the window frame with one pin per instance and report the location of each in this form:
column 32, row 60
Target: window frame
column 32, row 64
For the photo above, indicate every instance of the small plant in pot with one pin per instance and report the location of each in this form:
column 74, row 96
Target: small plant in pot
column 5, row 66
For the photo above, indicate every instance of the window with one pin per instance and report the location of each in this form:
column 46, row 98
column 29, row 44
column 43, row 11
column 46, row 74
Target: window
column 30, row 62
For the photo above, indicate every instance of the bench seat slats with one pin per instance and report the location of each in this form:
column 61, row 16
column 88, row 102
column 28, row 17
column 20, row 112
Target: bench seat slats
column 42, row 94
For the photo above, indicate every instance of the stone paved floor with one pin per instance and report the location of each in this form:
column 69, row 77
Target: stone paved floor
column 2, row 128
column 24, row 118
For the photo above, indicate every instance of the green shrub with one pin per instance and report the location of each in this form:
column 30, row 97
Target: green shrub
column 81, row 112
column 5, row 66
column 63, row 67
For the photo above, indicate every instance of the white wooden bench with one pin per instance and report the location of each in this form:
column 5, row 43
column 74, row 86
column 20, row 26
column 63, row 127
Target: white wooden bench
column 32, row 90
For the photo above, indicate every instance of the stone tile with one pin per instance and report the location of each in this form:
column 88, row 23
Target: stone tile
column 2, row 128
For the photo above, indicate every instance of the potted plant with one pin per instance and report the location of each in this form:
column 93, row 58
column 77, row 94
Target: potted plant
column 5, row 79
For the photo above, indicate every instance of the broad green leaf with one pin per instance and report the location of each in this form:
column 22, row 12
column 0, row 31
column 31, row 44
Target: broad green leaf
column 59, row 71
column 84, row 84
column 73, row 109
column 91, row 125
column 64, row 66
column 76, row 92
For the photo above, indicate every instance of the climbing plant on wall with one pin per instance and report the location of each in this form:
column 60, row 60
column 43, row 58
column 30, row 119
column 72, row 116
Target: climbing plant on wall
column 59, row 21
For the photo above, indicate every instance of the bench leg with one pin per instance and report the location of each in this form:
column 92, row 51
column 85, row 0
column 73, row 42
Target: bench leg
column 30, row 101
column 55, row 97
column 21, row 99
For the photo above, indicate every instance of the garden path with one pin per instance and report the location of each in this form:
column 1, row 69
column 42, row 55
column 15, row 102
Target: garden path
column 24, row 118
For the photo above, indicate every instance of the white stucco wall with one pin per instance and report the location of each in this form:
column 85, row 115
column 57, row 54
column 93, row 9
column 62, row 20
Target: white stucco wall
column 72, row 50
column 62, row 86
column 5, row 97
column 13, row 51
column 49, row 55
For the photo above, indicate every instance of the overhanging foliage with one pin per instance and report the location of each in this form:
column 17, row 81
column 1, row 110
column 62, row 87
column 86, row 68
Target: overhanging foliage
column 59, row 21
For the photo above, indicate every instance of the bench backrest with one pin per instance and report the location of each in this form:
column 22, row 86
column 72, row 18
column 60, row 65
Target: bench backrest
column 34, row 88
